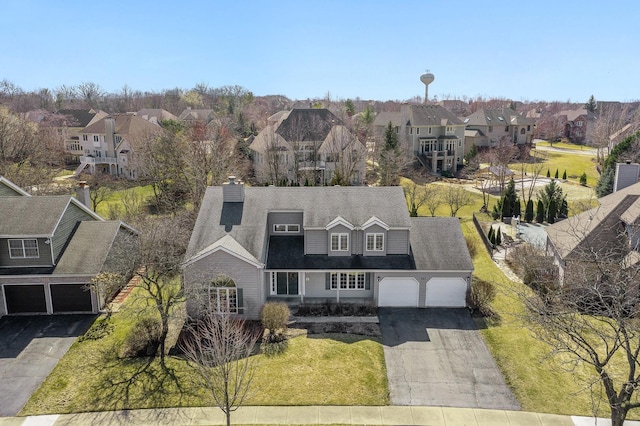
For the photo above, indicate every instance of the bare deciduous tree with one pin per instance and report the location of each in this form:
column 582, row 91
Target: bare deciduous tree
column 433, row 198
column 219, row 348
column 457, row 197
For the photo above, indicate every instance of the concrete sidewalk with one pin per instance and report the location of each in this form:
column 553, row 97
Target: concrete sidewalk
column 314, row 415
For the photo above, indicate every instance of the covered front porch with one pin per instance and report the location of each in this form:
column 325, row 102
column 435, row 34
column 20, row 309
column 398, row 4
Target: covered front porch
column 308, row 287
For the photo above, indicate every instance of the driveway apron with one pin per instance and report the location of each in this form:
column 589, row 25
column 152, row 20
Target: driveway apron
column 437, row 357
column 30, row 347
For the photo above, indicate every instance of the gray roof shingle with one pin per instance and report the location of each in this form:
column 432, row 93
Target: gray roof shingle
column 438, row 244
column 31, row 216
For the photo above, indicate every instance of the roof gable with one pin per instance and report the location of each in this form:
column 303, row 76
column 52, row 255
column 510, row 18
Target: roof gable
column 339, row 221
column 10, row 189
column 375, row 221
column 229, row 245
column 307, row 124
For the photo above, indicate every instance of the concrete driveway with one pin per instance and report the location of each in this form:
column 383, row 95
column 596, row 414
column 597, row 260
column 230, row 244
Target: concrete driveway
column 437, row 357
column 30, row 347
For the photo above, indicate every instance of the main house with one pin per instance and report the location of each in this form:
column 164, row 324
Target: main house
column 487, row 127
column 109, row 144
column 312, row 244
column 50, row 249
column 431, row 133
column 308, row 145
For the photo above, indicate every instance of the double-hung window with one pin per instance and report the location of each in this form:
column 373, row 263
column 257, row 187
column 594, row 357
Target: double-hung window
column 340, row 242
column 375, row 242
column 23, row 249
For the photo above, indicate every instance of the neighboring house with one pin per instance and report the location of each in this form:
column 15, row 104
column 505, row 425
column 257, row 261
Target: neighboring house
column 50, row 249
column 75, row 120
column 487, row 127
column 316, row 244
column 457, row 107
column 190, row 115
column 609, row 231
column 308, row 144
column 109, row 144
column 156, row 115
column 574, row 124
column 432, row 133
column 622, row 134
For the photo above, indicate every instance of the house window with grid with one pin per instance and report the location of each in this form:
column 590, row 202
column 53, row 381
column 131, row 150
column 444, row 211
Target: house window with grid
column 286, row 228
column 347, row 280
column 375, row 242
column 23, row 249
column 223, row 300
column 340, row 242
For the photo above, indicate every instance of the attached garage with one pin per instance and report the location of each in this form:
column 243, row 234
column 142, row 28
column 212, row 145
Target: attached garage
column 70, row 298
column 25, row 299
column 446, row 293
column 398, row 292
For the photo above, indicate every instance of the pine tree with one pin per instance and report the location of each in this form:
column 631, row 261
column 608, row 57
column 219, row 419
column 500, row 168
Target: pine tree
column 528, row 213
column 548, row 173
column 390, row 158
column 556, row 175
column 498, row 236
column 591, row 104
column 583, row 179
column 552, row 212
column 490, row 236
column 564, row 175
column 516, row 208
column 540, row 212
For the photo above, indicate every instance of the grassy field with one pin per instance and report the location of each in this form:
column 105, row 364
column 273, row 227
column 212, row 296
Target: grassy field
column 563, row 145
column 115, row 198
column 315, row 370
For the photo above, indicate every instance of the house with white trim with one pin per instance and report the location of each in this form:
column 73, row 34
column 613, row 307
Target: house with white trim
column 313, row 244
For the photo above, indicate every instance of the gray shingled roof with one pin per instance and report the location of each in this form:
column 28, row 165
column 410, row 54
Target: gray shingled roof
column 395, row 117
column 437, row 244
column 88, row 248
column 431, row 115
column 126, row 124
column 497, row 117
column 31, row 216
column 77, row 117
column 307, row 124
column 246, row 222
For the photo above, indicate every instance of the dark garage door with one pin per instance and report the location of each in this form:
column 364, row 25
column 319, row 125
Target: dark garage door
column 70, row 298
column 25, row 298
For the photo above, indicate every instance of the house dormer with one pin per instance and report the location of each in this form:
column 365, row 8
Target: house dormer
column 340, row 233
column 375, row 237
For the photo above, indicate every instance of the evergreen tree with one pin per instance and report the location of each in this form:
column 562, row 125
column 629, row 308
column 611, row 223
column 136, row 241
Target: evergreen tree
column 552, row 192
column 490, row 236
column 349, row 108
column 583, row 179
column 552, row 212
column 563, row 212
column 605, row 183
column 506, row 207
column 556, row 175
column 390, row 163
column 510, row 200
column 540, row 212
column 528, row 213
column 591, row 104
column 548, row 173
column 497, row 209
column 498, row 236
column 473, row 152
column 517, row 208
column 564, row 175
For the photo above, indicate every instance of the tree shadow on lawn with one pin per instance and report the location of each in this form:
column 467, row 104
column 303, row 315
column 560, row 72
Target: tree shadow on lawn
column 128, row 383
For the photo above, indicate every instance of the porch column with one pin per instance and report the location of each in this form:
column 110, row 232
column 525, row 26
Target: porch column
column 303, row 279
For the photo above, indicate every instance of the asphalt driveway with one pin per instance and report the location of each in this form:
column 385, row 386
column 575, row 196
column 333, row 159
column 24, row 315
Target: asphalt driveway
column 437, row 357
column 30, row 347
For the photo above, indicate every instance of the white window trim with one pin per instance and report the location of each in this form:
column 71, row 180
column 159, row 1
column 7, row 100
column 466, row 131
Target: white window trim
column 340, row 279
column 23, row 249
column 375, row 237
column 340, row 237
column 216, row 292
column 289, row 228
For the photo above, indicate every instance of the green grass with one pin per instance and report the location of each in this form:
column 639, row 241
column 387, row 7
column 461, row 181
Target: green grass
column 315, row 370
column 115, row 198
column 574, row 165
column 563, row 145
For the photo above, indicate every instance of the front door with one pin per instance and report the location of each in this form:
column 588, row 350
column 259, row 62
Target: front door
column 287, row 283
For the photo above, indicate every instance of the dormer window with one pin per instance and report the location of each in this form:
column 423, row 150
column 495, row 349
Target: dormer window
column 23, row 249
column 339, row 242
column 375, row 242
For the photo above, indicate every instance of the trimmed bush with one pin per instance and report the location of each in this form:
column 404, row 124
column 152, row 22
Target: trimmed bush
column 275, row 316
column 583, row 179
column 143, row 339
column 274, row 344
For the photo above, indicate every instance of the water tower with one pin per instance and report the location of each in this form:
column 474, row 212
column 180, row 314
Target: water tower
column 426, row 79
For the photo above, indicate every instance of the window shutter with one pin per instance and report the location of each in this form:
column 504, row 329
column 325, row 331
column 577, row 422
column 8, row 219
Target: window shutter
column 327, row 281
column 239, row 300
column 367, row 281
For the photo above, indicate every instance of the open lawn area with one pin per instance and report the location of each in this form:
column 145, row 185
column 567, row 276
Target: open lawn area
column 562, row 145
column 315, row 370
column 114, row 199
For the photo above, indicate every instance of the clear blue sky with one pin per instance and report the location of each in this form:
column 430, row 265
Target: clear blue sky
column 524, row 50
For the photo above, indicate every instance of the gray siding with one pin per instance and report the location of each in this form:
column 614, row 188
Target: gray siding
column 315, row 242
column 340, row 229
column 374, row 229
column 245, row 275
column 315, row 287
column 70, row 218
column 397, row 241
column 43, row 249
column 284, row 218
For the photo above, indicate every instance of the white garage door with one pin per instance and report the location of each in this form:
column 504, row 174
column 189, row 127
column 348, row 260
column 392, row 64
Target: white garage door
column 446, row 293
column 400, row 291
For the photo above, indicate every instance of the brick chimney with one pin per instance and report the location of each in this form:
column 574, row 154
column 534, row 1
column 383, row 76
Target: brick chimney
column 233, row 191
column 82, row 193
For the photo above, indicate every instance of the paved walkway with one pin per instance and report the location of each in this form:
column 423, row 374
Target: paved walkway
column 315, row 415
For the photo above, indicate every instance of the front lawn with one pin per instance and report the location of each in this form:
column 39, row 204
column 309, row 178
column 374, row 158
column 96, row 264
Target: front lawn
column 315, row 370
